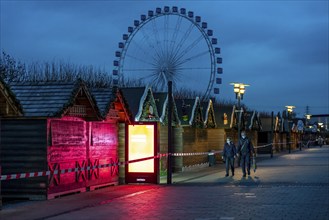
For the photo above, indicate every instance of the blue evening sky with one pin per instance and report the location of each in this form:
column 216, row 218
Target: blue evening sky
column 278, row 47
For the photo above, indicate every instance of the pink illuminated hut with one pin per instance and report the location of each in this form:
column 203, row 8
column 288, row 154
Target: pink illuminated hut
column 61, row 130
column 111, row 106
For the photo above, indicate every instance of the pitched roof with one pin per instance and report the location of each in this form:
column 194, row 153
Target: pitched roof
column 267, row 123
column 223, row 115
column 104, row 97
column 135, row 97
column 188, row 110
column 132, row 97
column 9, row 105
column 161, row 100
column 50, row 99
column 208, row 114
column 252, row 121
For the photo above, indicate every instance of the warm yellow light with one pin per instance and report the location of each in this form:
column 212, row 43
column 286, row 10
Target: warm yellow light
column 308, row 117
column 239, row 88
column 141, row 145
column 290, row 108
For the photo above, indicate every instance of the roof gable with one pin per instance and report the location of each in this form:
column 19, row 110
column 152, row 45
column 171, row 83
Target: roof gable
column 9, row 105
column 104, row 98
column 141, row 103
column 252, row 121
column 223, row 115
column 161, row 100
column 190, row 112
column 55, row 99
column 208, row 114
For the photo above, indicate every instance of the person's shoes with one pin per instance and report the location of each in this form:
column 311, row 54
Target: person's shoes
column 226, row 175
column 244, row 175
column 232, row 174
column 248, row 173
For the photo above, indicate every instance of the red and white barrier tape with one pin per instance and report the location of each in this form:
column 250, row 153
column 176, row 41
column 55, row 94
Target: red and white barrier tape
column 70, row 170
column 88, row 168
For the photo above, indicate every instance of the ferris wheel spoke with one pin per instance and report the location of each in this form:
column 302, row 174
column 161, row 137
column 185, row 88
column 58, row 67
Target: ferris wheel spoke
column 138, row 70
column 166, row 30
column 146, row 36
column 193, row 57
column 143, row 51
column 183, row 39
column 196, row 68
column 157, row 39
column 138, row 59
column 175, row 34
column 189, row 47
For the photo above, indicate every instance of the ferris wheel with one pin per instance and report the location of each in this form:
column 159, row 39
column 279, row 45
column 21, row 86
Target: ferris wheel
column 169, row 44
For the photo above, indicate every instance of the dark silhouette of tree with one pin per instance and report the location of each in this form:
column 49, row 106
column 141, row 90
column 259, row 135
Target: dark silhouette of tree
column 55, row 71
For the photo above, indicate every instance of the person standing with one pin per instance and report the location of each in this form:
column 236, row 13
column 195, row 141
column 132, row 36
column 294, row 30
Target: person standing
column 229, row 155
column 245, row 151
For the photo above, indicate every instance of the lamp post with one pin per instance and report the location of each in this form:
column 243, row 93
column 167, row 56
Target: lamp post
column 239, row 90
column 290, row 109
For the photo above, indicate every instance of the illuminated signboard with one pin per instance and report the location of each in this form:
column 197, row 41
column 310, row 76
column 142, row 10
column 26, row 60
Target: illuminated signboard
column 141, row 145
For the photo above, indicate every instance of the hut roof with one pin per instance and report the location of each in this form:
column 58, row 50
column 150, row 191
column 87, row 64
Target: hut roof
column 136, row 97
column 161, row 100
column 9, row 105
column 188, row 110
column 223, row 115
column 266, row 123
column 50, row 99
column 104, row 97
column 252, row 121
column 208, row 114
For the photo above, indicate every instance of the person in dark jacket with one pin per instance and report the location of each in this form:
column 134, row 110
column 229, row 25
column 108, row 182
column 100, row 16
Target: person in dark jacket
column 229, row 155
column 245, row 151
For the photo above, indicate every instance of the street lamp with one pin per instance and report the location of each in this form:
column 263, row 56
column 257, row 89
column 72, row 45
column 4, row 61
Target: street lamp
column 290, row 109
column 239, row 90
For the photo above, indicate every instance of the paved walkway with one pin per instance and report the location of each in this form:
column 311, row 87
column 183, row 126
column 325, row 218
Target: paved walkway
column 288, row 186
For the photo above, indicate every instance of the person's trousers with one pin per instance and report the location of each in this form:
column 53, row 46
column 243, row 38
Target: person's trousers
column 229, row 163
column 245, row 163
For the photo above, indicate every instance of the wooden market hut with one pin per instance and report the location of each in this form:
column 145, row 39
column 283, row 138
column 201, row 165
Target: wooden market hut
column 232, row 131
column 252, row 125
column 194, row 136
column 280, row 132
column 140, row 103
column 59, row 130
column 9, row 106
column 111, row 106
column 161, row 100
column 265, row 135
column 224, row 116
column 287, row 129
